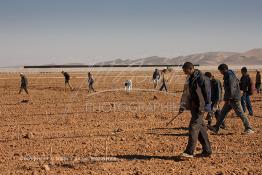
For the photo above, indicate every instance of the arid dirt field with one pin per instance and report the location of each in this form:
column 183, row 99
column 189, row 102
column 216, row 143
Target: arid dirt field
column 111, row 132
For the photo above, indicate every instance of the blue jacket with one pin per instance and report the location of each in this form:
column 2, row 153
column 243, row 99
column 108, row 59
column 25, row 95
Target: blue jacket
column 246, row 84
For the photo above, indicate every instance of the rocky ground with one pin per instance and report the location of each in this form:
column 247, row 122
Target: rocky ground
column 112, row 132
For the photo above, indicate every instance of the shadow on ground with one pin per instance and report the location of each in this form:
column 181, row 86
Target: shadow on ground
column 147, row 157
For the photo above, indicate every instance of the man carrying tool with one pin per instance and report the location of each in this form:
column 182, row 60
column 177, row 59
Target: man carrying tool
column 24, row 83
column 196, row 98
column 232, row 99
column 216, row 97
column 67, row 80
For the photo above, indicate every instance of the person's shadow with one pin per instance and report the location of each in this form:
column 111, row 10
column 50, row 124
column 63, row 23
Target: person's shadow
column 168, row 131
column 147, row 157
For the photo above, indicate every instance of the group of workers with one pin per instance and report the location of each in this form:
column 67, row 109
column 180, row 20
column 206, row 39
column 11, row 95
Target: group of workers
column 90, row 82
column 202, row 94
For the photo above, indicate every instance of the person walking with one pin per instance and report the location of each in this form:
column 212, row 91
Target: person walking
column 216, row 98
column 90, row 81
column 128, row 86
column 196, row 98
column 156, row 77
column 67, row 80
column 246, row 85
column 232, row 97
column 164, row 80
column 258, row 82
column 24, row 83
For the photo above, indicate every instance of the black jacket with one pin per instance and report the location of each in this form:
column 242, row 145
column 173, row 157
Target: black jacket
column 24, row 82
column 67, row 76
column 156, row 75
column 246, row 84
column 199, row 90
column 90, row 80
column 231, row 86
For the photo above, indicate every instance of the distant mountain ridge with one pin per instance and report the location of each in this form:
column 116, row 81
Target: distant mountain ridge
column 251, row 57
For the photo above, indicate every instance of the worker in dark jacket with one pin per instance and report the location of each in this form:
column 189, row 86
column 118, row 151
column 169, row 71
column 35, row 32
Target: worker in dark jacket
column 246, row 86
column 198, row 101
column 67, row 80
column 232, row 99
column 258, row 82
column 90, row 81
column 24, row 83
column 156, row 77
column 216, row 98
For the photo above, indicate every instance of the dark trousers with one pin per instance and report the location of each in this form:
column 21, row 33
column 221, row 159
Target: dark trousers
column 163, row 87
column 197, row 131
column 212, row 113
column 216, row 113
column 232, row 104
column 90, row 86
column 210, row 116
column 67, row 82
column 258, row 87
column 245, row 102
column 23, row 88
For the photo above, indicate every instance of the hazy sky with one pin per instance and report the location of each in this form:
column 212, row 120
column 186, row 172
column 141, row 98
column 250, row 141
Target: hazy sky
column 89, row 31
